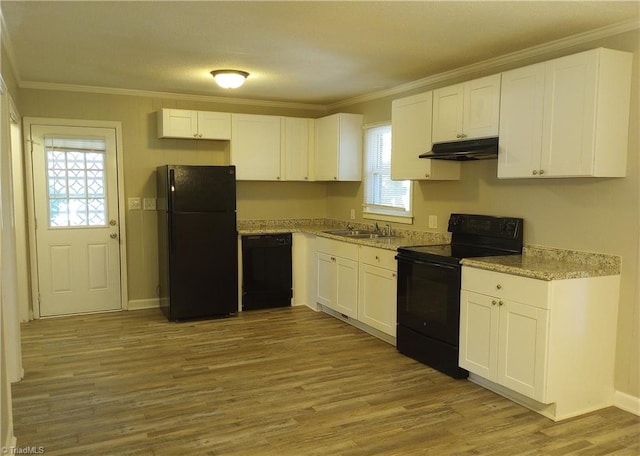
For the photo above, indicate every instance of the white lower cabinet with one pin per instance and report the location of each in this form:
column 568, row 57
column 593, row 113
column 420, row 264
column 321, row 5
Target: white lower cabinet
column 358, row 282
column 549, row 345
column 338, row 276
column 377, row 289
column 505, row 342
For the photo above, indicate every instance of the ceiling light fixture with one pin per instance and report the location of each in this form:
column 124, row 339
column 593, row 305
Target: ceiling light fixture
column 229, row 79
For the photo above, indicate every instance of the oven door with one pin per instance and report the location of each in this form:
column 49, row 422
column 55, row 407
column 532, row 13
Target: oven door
column 429, row 298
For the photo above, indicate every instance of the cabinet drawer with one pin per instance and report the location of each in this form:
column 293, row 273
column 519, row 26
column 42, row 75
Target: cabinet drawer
column 514, row 288
column 337, row 248
column 381, row 258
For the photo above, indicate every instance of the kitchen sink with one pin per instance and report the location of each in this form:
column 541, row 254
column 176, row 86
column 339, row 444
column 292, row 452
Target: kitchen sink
column 360, row 234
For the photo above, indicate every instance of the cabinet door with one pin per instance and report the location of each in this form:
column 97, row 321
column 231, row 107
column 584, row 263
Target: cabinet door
column 522, row 359
column 326, row 150
column 447, row 113
column 481, row 107
column 214, row 125
column 377, row 298
column 177, row 123
column 347, row 287
column 569, row 113
column 411, row 119
column 521, row 122
column 479, row 319
column 255, row 146
column 327, row 280
column 296, row 148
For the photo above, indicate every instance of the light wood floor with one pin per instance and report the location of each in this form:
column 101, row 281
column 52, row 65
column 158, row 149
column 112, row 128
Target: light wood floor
column 281, row 382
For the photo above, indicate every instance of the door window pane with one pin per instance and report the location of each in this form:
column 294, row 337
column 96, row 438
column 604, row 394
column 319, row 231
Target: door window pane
column 76, row 182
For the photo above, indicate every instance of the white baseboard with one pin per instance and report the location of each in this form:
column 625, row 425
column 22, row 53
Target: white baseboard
column 139, row 304
column 627, row 402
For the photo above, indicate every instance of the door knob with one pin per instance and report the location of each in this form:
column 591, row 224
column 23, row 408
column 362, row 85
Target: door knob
column 113, row 235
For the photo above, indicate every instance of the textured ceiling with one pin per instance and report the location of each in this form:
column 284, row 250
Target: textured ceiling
column 295, row 51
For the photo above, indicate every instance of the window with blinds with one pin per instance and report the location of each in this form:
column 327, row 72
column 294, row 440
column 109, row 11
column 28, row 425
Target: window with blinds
column 383, row 196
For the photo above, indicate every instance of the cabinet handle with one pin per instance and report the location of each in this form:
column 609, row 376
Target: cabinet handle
column 335, row 178
column 333, row 259
column 461, row 135
column 541, row 172
column 393, row 274
column 500, row 303
column 377, row 258
column 195, row 135
column 499, row 287
column 535, row 172
column 493, row 302
column 427, row 175
column 278, row 177
column 200, row 135
column 306, row 177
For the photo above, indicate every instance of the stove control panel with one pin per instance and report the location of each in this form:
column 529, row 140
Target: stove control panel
column 486, row 225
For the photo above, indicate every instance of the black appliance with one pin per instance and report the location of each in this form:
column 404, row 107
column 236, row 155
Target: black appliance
column 472, row 149
column 428, row 319
column 198, row 244
column 266, row 271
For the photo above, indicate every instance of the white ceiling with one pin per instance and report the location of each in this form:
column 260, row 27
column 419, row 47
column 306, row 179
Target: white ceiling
column 312, row 52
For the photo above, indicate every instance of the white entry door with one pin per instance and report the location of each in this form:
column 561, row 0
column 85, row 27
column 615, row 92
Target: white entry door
column 75, row 193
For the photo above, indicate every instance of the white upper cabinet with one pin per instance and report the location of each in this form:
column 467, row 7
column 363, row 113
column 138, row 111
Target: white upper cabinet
column 338, row 148
column 256, row 147
column 297, row 148
column 468, row 110
column 567, row 117
column 182, row 123
column 411, row 136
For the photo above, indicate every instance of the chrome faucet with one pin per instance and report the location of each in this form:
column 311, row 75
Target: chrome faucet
column 349, row 226
column 376, row 228
column 387, row 230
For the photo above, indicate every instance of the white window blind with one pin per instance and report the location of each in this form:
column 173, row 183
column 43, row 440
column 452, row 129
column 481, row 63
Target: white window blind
column 383, row 195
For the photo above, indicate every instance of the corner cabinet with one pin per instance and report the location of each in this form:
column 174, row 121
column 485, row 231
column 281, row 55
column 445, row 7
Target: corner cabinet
column 338, row 148
column 468, row 110
column 568, row 117
column 411, row 136
column 182, row 123
column 549, row 345
column 256, row 147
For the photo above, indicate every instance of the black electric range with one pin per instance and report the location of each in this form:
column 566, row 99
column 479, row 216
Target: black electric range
column 429, row 276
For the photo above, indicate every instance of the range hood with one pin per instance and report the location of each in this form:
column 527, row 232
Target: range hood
column 473, row 149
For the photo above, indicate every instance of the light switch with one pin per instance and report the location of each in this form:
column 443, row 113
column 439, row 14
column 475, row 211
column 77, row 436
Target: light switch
column 149, row 204
column 433, row 221
column 134, row 204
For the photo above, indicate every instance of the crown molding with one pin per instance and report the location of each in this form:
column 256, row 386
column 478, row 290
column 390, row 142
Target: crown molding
column 171, row 95
column 507, row 59
column 486, row 65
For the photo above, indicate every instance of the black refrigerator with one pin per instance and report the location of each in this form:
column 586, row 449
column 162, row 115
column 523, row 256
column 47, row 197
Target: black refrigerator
column 197, row 236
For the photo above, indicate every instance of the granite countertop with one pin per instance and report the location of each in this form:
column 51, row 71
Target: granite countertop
column 537, row 262
column 545, row 263
column 319, row 227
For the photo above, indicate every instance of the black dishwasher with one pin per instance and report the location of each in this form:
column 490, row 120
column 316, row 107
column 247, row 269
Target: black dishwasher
column 266, row 271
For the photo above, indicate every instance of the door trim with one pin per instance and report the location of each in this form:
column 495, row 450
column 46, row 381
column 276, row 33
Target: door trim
column 117, row 126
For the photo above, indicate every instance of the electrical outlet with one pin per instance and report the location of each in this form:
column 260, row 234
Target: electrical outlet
column 134, row 204
column 353, row 214
column 433, row 221
column 149, row 204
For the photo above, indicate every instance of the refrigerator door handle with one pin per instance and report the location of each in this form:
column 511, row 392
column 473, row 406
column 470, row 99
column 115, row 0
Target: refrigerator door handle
column 172, row 188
